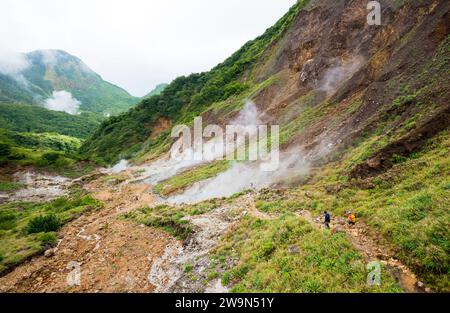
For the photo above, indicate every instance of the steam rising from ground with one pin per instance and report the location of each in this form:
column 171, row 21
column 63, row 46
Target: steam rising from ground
column 249, row 115
column 168, row 167
column 294, row 164
column 63, row 101
column 336, row 75
column 122, row 165
column 242, row 176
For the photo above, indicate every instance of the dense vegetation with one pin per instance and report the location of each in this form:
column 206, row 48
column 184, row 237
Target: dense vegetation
column 45, row 151
column 186, row 97
column 28, row 118
column 40, row 141
column 156, row 91
column 48, row 140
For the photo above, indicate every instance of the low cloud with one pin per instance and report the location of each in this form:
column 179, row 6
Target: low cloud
column 63, row 101
column 12, row 64
column 49, row 56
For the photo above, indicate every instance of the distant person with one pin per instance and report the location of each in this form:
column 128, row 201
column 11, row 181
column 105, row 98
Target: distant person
column 327, row 219
column 351, row 219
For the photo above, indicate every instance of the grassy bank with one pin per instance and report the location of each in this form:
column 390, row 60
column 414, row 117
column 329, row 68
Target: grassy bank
column 29, row 228
column 289, row 255
column 187, row 178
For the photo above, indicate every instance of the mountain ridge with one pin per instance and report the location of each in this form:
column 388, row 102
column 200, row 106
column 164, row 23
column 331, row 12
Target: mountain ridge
column 52, row 70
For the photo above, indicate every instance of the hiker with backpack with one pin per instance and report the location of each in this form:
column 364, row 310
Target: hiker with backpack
column 351, row 218
column 327, row 219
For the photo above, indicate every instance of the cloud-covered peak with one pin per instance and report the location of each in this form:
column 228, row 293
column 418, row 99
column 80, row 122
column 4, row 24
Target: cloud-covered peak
column 12, row 63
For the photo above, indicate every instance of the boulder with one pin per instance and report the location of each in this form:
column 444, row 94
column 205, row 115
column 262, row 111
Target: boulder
column 49, row 253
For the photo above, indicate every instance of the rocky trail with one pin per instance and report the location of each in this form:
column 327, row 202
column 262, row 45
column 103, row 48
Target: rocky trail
column 371, row 250
column 100, row 252
column 369, row 247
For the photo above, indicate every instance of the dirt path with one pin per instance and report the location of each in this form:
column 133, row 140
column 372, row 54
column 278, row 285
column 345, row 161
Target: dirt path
column 370, row 249
column 97, row 252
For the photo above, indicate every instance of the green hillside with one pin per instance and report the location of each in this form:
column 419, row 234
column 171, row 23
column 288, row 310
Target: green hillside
column 28, row 118
column 183, row 99
column 156, row 91
column 56, row 70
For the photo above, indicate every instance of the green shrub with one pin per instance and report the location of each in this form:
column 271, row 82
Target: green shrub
column 43, row 224
column 188, row 267
column 226, row 278
column 7, row 220
column 51, row 157
column 17, row 156
column 5, row 149
column 47, row 238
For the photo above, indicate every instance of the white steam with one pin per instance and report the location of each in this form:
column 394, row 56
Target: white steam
column 249, row 115
column 49, row 57
column 13, row 64
column 63, row 101
column 122, row 165
column 294, row 164
column 335, row 76
column 242, row 176
column 167, row 167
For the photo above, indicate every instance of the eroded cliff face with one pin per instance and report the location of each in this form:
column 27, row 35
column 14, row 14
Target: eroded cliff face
column 321, row 73
column 352, row 77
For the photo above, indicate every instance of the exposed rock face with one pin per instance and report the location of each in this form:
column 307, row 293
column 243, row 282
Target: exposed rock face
column 330, row 61
column 331, row 52
column 383, row 159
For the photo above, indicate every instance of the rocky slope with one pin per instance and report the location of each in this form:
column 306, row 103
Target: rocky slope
column 322, row 60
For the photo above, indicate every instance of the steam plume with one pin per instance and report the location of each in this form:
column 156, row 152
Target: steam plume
column 63, row 101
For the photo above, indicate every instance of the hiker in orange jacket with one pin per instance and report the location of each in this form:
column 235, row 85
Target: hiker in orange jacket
column 351, row 219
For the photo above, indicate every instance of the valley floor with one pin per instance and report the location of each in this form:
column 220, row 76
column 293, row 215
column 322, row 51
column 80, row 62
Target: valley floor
column 101, row 251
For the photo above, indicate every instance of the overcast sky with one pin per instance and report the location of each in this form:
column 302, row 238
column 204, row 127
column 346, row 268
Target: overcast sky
column 137, row 44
